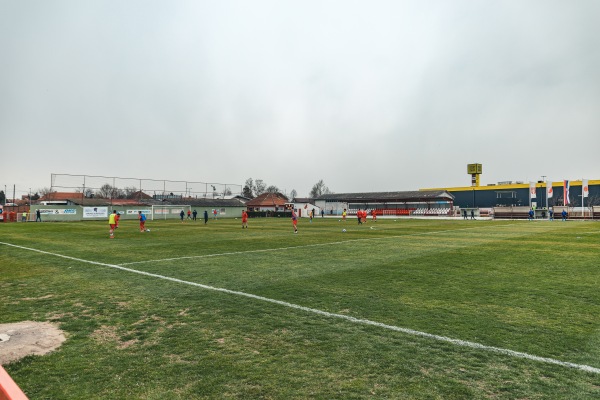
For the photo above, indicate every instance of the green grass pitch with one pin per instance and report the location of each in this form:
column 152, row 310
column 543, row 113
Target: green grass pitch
column 169, row 314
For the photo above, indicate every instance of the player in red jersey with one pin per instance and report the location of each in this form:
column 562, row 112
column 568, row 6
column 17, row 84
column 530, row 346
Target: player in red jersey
column 244, row 219
column 295, row 221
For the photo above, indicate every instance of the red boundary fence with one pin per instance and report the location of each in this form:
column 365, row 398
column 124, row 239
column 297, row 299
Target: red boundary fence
column 8, row 388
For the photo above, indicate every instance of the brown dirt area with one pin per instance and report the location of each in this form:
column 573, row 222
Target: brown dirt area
column 21, row 339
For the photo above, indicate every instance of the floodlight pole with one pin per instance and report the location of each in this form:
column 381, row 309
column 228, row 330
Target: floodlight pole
column 547, row 205
column 582, row 202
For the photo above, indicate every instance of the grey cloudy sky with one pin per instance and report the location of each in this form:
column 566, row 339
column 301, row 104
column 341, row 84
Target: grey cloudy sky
column 366, row 95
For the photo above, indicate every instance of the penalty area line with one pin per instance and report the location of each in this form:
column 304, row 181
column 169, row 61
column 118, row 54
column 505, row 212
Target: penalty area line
column 412, row 332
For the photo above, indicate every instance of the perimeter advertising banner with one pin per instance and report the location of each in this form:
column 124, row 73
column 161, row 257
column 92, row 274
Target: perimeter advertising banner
column 135, row 212
column 95, row 212
column 57, row 211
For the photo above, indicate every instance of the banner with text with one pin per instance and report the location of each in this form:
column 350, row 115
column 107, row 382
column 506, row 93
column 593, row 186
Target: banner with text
column 95, row 212
column 66, row 211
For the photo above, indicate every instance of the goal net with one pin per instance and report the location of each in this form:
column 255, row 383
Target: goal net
column 170, row 212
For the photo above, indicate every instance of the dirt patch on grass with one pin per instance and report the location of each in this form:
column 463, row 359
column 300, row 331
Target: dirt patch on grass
column 108, row 334
column 21, row 339
column 48, row 296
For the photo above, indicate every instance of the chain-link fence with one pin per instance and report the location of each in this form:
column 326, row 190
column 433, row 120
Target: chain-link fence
column 139, row 188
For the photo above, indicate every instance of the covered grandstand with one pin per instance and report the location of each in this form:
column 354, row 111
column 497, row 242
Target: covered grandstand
column 417, row 203
column 518, row 194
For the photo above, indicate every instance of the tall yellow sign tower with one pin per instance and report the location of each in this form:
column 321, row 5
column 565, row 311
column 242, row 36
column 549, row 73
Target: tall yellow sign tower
column 474, row 170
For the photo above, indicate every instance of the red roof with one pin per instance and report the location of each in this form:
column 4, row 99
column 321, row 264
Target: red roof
column 139, row 195
column 57, row 196
column 268, row 200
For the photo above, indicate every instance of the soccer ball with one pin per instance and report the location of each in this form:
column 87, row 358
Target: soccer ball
column 147, row 230
column 343, row 230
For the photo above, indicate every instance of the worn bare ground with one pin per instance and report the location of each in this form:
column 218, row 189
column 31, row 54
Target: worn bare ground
column 21, row 339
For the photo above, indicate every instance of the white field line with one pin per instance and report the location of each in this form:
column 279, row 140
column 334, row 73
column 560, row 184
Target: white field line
column 587, row 233
column 456, row 342
column 299, row 247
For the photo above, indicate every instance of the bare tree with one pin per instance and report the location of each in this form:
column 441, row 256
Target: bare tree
column 87, row 192
column 247, row 191
column 259, row 187
column 109, row 192
column 593, row 200
column 293, row 194
column 319, row 189
column 573, row 202
column 44, row 191
column 272, row 189
column 129, row 192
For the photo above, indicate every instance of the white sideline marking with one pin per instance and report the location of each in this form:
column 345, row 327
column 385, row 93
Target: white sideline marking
column 457, row 342
column 299, row 246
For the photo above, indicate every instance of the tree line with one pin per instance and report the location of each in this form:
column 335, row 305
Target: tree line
column 253, row 188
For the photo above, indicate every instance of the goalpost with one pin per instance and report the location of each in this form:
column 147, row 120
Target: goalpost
column 169, row 211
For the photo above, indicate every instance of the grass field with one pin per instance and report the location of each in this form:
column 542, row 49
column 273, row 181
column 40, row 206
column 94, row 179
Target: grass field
column 394, row 309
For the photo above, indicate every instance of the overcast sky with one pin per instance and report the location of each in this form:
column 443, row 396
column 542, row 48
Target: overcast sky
column 366, row 95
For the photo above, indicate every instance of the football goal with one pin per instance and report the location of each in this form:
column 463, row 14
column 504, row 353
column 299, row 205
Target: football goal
column 169, row 212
